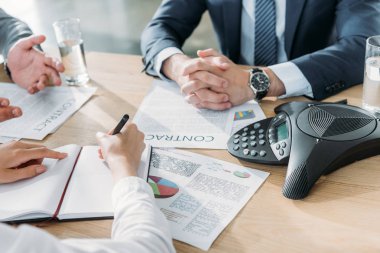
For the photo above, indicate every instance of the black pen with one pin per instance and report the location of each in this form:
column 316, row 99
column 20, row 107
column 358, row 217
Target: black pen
column 121, row 124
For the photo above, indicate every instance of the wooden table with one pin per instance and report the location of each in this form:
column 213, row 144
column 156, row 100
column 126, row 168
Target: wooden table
column 341, row 214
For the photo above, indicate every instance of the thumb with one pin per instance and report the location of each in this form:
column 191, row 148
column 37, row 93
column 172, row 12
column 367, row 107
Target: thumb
column 32, row 41
column 207, row 52
column 100, row 135
column 26, row 172
column 102, row 138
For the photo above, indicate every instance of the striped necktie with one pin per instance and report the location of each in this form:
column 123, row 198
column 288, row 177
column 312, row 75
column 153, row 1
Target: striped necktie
column 265, row 33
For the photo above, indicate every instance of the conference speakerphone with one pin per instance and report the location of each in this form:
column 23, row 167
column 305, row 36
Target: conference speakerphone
column 312, row 138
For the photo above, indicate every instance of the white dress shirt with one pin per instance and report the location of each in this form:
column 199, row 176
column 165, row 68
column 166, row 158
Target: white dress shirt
column 139, row 226
column 295, row 82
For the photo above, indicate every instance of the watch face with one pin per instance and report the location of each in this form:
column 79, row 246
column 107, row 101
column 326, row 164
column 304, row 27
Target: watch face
column 260, row 81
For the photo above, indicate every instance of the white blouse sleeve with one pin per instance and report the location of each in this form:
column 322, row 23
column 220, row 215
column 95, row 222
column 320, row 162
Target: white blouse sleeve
column 139, row 226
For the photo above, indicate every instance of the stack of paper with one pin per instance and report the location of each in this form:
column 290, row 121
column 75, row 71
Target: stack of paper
column 43, row 112
column 167, row 120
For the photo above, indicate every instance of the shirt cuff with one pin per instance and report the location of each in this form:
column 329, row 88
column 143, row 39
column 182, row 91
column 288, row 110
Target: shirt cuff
column 128, row 185
column 161, row 57
column 295, row 82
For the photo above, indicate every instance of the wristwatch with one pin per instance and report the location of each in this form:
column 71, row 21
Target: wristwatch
column 259, row 83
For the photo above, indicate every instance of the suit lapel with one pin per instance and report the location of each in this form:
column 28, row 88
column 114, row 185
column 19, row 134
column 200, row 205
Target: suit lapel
column 232, row 27
column 294, row 10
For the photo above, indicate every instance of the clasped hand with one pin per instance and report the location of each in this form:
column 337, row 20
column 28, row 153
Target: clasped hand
column 211, row 81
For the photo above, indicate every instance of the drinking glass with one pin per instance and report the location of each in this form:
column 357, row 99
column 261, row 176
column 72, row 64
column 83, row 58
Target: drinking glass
column 70, row 43
column 371, row 85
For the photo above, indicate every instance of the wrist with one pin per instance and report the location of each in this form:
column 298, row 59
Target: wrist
column 277, row 87
column 121, row 167
column 170, row 67
column 246, row 83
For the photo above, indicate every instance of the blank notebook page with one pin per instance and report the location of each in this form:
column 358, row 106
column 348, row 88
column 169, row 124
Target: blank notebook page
column 90, row 188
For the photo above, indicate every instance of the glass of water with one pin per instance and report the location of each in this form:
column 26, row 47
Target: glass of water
column 70, row 43
column 371, row 85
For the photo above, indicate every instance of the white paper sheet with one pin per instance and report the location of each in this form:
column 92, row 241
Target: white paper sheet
column 42, row 112
column 200, row 195
column 4, row 139
column 169, row 121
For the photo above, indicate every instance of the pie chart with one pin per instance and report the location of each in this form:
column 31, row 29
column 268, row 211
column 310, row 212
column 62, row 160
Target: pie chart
column 162, row 188
column 242, row 174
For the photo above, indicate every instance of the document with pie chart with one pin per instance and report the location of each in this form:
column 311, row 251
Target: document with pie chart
column 199, row 195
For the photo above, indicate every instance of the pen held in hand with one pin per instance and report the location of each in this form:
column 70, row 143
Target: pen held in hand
column 121, row 124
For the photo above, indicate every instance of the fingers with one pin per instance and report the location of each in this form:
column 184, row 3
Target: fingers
column 207, row 95
column 12, row 175
column 101, row 137
column 20, row 144
column 113, row 144
column 42, row 83
column 4, row 102
column 221, row 62
column 9, row 112
column 209, row 78
column 218, row 102
column 215, row 57
column 208, row 52
column 190, row 87
column 31, row 41
column 215, row 106
column 197, row 65
column 39, row 153
column 53, row 75
column 103, row 143
column 100, row 154
column 33, row 89
column 193, row 86
column 129, row 128
column 54, row 64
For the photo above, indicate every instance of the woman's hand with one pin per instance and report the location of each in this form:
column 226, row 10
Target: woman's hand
column 20, row 160
column 8, row 112
column 122, row 151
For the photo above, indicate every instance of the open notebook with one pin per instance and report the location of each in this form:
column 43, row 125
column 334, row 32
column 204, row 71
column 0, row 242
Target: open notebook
column 77, row 187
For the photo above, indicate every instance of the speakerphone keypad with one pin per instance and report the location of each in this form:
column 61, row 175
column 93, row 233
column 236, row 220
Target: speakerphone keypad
column 259, row 142
column 251, row 142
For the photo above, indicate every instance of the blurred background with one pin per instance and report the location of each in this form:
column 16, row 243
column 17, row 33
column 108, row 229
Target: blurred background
column 113, row 26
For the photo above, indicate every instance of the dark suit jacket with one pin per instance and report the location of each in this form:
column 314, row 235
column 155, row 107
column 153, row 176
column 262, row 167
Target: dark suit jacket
column 11, row 30
column 325, row 38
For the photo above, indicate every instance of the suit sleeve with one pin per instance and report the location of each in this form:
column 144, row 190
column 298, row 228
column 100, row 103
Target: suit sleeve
column 171, row 25
column 341, row 65
column 11, row 30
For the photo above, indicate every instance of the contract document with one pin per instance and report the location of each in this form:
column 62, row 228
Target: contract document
column 167, row 120
column 44, row 111
column 200, row 195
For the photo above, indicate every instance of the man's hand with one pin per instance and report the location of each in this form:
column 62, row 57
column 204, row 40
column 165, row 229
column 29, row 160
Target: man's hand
column 238, row 90
column 31, row 68
column 199, row 81
column 8, row 112
column 122, row 151
column 20, row 160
